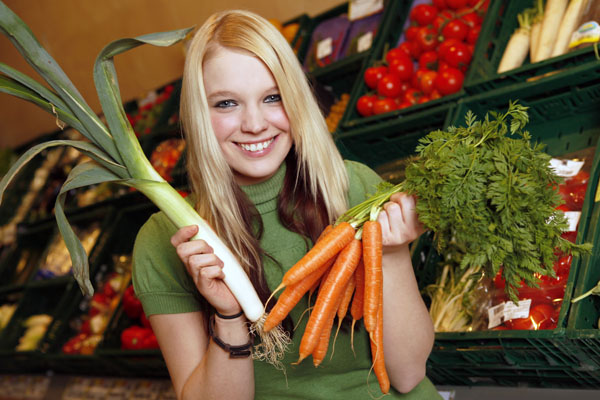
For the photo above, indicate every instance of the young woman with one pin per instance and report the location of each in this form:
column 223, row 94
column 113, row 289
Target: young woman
column 267, row 176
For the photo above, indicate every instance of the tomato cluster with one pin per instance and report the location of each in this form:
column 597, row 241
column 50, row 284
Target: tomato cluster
column 546, row 300
column 431, row 60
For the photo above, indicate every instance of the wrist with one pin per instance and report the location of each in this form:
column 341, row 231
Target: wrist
column 231, row 335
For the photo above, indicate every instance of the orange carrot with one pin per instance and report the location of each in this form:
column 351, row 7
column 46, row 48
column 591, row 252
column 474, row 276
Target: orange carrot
column 291, row 295
column 342, row 308
column 332, row 289
column 377, row 352
column 321, row 350
column 357, row 307
column 331, row 244
column 372, row 253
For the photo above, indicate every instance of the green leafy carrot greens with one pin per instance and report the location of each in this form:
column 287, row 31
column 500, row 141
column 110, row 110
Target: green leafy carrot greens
column 488, row 191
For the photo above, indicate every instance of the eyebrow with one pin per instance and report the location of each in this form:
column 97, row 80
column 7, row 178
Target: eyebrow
column 227, row 93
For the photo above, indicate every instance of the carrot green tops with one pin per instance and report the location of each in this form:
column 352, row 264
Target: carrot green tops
column 163, row 286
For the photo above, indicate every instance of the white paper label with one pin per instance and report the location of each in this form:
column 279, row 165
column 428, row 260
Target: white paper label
column 324, row 48
column 364, row 42
column 361, row 8
column 506, row 311
column 566, row 168
column 572, row 219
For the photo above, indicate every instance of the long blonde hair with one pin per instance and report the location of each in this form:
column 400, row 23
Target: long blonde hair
column 319, row 161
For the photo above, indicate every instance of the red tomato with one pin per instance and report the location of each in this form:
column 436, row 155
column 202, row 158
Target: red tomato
column 434, row 94
column 411, row 48
column 427, row 81
column 500, row 328
column 401, row 67
column 364, row 105
column 423, row 99
column 473, row 34
column 389, row 86
column 472, row 19
column 412, row 96
column 384, row 105
column 581, row 177
column 499, row 281
column 423, row 14
column 428, row 60
column 440, row 4
column 427, row 38
column 442, row 19
column 444, row 46
column 456, row 55
column 415, row 80
column 455, row 29
column 411, row 32
column 534, row 322
column 394, row 53
column 373, row 75
column 449, row 81
column 456, row 4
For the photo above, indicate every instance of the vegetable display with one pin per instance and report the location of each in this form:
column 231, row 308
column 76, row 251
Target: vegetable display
column 117, row 154
column 483, row 189
column 430, row 60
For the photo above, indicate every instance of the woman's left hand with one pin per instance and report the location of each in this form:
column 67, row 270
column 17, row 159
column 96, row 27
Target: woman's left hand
column 399, row 222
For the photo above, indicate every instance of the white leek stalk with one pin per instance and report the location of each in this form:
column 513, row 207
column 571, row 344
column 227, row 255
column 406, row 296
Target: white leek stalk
column 118, row 157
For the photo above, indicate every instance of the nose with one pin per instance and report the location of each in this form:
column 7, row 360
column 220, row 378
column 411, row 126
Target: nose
column 253, row 120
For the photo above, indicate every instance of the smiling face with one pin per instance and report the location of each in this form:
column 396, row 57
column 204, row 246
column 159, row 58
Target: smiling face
column 247, row 114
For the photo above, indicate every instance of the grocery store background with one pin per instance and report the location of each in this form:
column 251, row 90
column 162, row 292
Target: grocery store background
column 75, row 31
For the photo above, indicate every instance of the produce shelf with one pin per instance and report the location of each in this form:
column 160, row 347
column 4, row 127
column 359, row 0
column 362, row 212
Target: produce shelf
column 563, row 115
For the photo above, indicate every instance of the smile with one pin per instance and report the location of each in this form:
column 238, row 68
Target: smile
column 256, row 146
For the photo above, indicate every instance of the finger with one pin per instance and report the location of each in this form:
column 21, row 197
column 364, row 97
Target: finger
column 187, row 249
column 211, row 273
column 184, row 234
column 395, row 215
column 204, row 260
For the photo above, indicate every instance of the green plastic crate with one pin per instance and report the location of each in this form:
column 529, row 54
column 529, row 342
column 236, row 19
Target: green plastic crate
column 563, row 115
column 495, row 34
column 303, row 34
column 393, row 139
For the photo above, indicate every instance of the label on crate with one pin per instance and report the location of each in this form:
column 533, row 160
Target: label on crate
column 566, row 168
column 364, row 42
column 573, row 220
column 324, row 48
column 506, row 311
column 358, row 9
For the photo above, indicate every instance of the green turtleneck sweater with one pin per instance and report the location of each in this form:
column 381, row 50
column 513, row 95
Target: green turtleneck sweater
column 164, row 287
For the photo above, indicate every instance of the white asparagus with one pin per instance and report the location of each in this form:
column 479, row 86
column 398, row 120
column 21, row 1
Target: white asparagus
column 517, row 47
column 568, row 25
column 553, row 14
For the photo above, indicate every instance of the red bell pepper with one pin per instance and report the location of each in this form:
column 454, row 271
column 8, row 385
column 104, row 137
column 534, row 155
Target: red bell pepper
column 135, row 337
column 131, row 304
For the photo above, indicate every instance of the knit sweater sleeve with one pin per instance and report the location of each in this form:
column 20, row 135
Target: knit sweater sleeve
column 159, row 277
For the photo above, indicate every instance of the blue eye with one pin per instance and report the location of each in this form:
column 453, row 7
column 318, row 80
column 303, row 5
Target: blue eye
column 225, row 104
column 273, row 98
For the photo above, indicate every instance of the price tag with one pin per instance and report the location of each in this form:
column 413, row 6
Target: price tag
column 506, row 311
column 324, row 48
column 364, row 42
column 566, row 168
column 572, row 219
column 362, row 8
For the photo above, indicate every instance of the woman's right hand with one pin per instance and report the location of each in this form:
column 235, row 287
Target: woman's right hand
column 206, row 270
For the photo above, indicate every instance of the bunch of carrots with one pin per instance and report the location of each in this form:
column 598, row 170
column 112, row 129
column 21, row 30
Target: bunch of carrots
column 345, row 264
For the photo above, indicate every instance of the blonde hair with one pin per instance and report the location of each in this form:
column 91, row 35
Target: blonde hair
column 210, row 176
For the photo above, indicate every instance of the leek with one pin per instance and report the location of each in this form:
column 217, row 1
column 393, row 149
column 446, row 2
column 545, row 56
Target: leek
column 117, row 157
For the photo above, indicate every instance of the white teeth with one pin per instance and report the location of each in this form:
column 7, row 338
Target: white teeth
column 256, row 146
